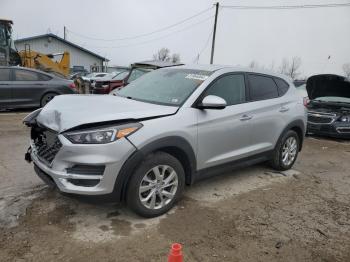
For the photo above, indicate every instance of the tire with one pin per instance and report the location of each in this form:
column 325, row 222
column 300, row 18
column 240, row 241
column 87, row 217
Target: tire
column 280, row 163
column 145, row 177
column 47, row 98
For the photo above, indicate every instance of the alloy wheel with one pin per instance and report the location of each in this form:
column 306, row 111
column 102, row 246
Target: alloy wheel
column 158, row 187
column 289, row 151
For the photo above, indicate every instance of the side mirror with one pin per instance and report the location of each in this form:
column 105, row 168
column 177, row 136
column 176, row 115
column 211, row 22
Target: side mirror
column 212, row 102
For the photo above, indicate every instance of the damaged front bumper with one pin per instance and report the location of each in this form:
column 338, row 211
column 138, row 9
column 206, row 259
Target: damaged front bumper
column 336, row 130
column 88, row 169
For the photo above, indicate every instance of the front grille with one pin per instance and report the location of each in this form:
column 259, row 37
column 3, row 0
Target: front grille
column 86, row 170
column 320, row 118
column 343, row 130
column 99, row 84
column 84, row 182
column 46, row 145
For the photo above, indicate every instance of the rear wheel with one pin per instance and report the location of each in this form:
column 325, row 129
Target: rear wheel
column 286, row 151
column 47, row 98
column 156, row 185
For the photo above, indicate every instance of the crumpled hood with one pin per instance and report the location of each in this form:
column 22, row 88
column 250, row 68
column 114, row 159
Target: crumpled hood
column 67, row 111
column 327, row 85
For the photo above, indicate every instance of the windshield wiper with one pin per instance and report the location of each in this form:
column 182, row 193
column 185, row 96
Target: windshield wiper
column 127, row 97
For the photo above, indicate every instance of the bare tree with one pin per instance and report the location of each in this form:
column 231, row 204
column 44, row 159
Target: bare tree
column 175, row 58
column 163, row 54
column 291, row 68
column 346, row 69
column 283, row 69
column 253, row 64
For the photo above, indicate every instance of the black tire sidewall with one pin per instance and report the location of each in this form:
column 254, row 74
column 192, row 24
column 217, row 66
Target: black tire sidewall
column 44, row 96
column 132, row 196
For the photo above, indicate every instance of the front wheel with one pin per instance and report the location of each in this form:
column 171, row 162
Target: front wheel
column 156, row 185
column 286, row 151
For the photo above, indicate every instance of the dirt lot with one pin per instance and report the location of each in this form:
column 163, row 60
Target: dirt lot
column 253, row 214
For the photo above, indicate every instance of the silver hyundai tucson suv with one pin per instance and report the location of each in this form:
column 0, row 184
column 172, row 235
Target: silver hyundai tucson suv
column 143, row 143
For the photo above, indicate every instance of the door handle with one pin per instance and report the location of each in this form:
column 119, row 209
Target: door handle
column 284, row 109
column 245, row 118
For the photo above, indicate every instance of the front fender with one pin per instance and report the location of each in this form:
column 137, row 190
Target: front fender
column 139, row 155
column 30, row 119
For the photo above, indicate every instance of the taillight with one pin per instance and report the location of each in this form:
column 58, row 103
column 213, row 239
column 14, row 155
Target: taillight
column 72, row 85
column 306, row 101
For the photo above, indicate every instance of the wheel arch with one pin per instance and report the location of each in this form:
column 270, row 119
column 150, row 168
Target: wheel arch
column 297, row 126
column 176, row 146
column 48, row 91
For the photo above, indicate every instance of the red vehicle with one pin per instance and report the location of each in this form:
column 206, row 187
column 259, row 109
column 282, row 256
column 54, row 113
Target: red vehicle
column 124, row 78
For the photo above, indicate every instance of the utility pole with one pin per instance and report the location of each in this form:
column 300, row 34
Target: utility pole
column 214, row 32
column 64, row 32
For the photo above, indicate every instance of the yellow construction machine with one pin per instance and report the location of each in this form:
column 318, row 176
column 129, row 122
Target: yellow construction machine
column 45, row 62
column 9, row 56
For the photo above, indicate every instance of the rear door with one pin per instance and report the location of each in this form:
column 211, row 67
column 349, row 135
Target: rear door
column 5, row 87
column 267, row 111
column 28, row 88
column 224, row 135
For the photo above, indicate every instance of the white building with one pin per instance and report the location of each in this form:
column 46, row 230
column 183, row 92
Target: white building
column 51, row 44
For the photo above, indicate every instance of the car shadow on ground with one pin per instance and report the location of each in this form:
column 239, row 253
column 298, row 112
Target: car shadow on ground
column 330, row 139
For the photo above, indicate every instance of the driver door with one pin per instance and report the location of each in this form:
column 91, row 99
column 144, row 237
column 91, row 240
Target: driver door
column 224, row 134
column 5, row 88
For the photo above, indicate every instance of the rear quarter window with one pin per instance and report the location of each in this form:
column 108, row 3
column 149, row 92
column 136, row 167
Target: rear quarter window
column 282, row 85
column 43, row 77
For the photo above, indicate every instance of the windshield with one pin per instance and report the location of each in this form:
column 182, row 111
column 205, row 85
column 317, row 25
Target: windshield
column 168, row 86
column 121, row 75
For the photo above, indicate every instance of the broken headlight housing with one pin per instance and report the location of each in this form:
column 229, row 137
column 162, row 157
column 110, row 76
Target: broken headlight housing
column 102, row 135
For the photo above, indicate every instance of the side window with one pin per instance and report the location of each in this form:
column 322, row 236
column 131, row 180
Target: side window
column 43, row 77
column 262, row 87
column 24, row 75
column 5, row 74
column 229, row 87
column 282, row 86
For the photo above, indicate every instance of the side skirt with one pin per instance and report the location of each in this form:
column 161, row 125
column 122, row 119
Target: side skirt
column 233, row 165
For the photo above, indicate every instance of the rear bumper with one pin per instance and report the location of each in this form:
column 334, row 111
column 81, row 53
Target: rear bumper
column 61, row 172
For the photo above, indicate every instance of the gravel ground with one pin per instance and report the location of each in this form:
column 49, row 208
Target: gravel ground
column 252, row 214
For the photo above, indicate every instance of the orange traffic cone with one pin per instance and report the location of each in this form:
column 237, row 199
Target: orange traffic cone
column 175, row 254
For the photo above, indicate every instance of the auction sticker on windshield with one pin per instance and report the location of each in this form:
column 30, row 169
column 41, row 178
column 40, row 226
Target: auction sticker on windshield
column 196, row 77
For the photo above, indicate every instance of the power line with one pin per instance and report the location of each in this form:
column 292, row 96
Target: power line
column 155, row 39
column 203, row 48
column 145, row 34
column 278, row 7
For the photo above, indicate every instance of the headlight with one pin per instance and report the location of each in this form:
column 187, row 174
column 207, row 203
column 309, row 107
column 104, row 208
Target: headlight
column 345, row 119
column 102, row 135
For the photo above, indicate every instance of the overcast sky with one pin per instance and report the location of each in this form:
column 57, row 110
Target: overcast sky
column 266, row 36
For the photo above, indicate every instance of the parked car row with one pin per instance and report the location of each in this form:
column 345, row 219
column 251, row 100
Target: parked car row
column 326, row 96
column 105, row 86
